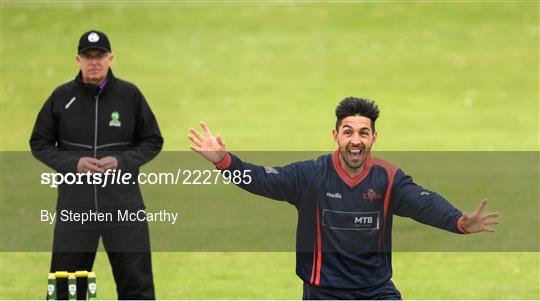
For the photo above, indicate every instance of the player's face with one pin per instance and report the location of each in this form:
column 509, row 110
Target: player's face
column 94, row 65
column 355, row 138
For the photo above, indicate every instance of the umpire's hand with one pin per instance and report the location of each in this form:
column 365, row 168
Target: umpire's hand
column 89, row 164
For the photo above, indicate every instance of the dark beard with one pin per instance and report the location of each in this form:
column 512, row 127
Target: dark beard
column 344, row 157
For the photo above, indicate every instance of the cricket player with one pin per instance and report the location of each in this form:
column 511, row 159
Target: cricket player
column 346, row 202
column 97, row 123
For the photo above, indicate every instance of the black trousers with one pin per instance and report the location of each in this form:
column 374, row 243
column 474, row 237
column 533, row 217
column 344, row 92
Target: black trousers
column 387, row 291
column 128, row 248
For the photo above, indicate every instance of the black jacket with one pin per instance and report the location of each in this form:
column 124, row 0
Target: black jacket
column 81, row 119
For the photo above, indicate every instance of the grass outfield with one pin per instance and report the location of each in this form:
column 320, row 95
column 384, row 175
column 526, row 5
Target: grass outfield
column 447, row 76
column 271, row 275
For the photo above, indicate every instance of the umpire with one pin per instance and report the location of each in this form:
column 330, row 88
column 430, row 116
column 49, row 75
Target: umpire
column 95, row 123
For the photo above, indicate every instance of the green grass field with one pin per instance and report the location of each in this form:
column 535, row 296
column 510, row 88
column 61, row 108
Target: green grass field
column 447, row 77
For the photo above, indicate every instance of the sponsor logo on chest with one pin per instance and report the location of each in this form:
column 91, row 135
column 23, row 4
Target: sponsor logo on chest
column 115, row 119
column 333, row 195
column 371, row 195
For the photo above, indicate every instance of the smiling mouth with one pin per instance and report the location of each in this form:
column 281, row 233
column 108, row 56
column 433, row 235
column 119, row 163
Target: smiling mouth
column 355, row 154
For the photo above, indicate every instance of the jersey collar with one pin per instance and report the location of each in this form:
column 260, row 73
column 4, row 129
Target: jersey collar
column 351, row 182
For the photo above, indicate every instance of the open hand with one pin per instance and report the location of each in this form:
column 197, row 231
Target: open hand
column 477, row 222
column 211, row 148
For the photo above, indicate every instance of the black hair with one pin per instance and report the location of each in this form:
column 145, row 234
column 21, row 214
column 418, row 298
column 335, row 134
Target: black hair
column 352, row 106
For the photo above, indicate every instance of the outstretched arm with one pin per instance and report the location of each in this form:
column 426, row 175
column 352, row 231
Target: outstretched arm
column 428, row 207
column 279, row 183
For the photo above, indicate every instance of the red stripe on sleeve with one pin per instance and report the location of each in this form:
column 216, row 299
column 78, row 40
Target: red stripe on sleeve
column 313, row 265
column 225, row 163
column 391, row 171
column 460, row 227
column 319, row 250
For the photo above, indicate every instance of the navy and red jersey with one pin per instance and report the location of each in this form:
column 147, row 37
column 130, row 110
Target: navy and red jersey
column 345, row 224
